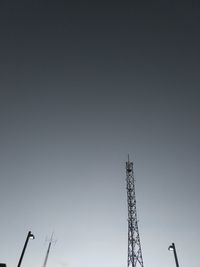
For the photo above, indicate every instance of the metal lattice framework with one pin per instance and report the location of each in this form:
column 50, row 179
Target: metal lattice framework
column 134, row 246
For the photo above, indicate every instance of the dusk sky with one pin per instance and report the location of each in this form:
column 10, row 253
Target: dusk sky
column 82, row 84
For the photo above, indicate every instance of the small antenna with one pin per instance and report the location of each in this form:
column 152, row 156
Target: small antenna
column 51, row 240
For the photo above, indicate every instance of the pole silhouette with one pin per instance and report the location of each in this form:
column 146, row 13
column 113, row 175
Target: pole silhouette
column 173, row 248
column 30, row 235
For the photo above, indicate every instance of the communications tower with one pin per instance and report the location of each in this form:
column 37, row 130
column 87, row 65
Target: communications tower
column 134, row 246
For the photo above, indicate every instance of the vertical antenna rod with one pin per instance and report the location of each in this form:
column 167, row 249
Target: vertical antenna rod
column 134, row 246
column 48, row 250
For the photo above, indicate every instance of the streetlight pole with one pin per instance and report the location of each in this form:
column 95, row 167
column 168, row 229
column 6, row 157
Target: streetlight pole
column 29, row 236
column 173, row 248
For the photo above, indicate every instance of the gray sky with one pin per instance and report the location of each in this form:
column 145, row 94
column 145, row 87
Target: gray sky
column 82, row 85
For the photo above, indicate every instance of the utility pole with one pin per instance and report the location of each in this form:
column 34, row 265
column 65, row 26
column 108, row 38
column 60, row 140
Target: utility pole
column 134, row 246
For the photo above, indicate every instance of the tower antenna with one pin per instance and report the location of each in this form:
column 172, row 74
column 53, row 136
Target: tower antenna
column 134, row 246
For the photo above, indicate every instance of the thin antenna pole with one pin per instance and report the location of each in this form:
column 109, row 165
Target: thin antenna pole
column 48, row 250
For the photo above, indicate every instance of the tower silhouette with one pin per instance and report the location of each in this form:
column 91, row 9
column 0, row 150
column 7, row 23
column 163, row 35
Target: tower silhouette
column 134, row 246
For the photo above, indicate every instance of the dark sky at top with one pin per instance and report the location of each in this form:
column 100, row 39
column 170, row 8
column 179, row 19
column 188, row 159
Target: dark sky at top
column 104, row 49
column 82, row 84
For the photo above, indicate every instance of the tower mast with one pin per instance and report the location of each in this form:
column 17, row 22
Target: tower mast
column 134, row 246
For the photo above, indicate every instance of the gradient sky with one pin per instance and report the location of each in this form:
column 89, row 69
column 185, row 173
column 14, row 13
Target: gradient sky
column 82, row 84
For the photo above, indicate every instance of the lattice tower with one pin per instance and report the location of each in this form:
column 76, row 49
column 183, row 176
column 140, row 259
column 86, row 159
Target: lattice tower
column 134, row 246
